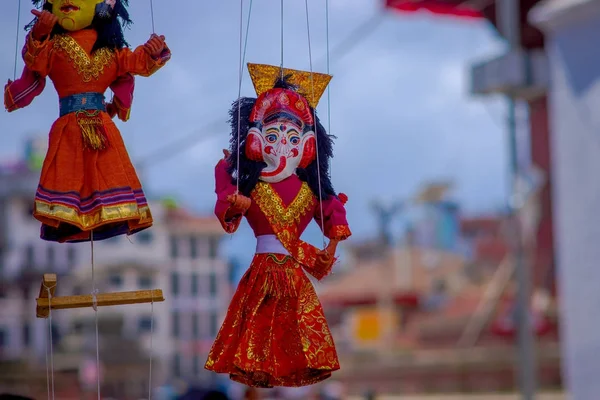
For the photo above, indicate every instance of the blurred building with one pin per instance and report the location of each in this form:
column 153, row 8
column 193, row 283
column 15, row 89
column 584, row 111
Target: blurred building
column 180, row 254
column 421, row 318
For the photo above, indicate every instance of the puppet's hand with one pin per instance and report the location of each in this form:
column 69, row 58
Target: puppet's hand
column 155, row 45
column 44, row 24
column 239, row 203
column 111, row 110
column 326, row 256
column 223, row 163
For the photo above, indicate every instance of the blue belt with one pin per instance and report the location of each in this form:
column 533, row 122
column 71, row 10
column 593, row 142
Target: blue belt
column 82, row 101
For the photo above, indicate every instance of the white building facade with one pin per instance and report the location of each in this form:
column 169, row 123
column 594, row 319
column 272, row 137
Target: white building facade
column 570, row 28
column 180, row 254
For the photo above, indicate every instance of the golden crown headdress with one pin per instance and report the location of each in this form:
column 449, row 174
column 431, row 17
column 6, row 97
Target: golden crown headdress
column 310, row 85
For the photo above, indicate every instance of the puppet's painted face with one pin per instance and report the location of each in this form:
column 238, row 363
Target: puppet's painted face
column 281, row 145
column 74, row 15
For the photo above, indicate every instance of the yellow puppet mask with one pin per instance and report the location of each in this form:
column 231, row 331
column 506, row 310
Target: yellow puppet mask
column 74, row 15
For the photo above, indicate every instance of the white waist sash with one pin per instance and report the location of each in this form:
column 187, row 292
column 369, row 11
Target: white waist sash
column 270, row 244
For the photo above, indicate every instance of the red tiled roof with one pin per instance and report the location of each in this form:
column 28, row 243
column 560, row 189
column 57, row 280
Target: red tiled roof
column 186, row 221
column 364, row 284
column 490, row 224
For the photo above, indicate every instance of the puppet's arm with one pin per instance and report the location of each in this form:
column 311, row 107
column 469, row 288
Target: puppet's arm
column 334, row 223
column 37, row 55
column 146, row 59
column 38, row 45
column 335, row 227
column 230, row 207
column 123, row 97
column 20, row 93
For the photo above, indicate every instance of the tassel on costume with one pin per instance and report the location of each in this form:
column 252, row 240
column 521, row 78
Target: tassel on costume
column 281, row 282
column 92, row 129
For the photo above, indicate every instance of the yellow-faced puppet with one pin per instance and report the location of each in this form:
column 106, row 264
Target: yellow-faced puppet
column 74, row 15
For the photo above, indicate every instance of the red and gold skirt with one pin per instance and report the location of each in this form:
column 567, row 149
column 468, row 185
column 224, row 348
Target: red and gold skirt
column 275, row 332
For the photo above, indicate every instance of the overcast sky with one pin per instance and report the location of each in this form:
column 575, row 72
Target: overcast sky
column 400, row 102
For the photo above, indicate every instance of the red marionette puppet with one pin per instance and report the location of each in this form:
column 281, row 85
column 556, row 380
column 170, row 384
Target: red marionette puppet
column 88, row 183
column 275, row 332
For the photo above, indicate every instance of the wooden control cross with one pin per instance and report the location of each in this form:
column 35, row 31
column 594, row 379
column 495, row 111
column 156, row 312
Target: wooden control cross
column 45, row 302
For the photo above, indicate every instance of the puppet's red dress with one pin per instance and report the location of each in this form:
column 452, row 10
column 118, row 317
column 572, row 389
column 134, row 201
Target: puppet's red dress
column 275, row 332
column 87, row 180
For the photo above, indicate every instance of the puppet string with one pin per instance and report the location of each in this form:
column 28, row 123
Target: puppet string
column 152, row 15
column 151, row 345
column 328, row 66
column 95, row 307
column 49, row 347
column 17, row 40
column 281, row 68
column 240, row 78
column 315, row 122
column 239, row 111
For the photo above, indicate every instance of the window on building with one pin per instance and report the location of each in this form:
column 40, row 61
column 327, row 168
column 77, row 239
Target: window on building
column 51, row 257
column 115, row 279
column 25, row 292
column 193, row 247
column 174, row 247
column 174, row 283
column 26, row 334
column 143, row 386
column 71, row 257
column 29, row 256
column 78, row 327
column 194, row 284
column 177, row 365
column 145, row 281
column 196, row 365
column 144, row 237
column 195, row 326
column 214, row 324
column 175, row 328
column 56, row 334
column 213, row 247
column 3, row 338
column 213, row 284
column 145, row 324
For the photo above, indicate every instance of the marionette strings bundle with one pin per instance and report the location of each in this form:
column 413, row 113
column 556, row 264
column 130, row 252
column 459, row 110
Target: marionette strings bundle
column 110, row 32
column 249, row 171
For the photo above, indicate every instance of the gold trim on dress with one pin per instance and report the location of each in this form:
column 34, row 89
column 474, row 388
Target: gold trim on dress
column 89, row 67
column 121, row 212
column 276, row 212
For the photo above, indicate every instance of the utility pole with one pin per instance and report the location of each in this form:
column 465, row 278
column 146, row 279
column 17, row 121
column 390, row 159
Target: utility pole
column 509, row 23
column 385, row 217
column 386, row 301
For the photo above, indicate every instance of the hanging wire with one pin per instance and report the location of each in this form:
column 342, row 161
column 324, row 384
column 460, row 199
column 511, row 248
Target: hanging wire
column 315, row 122
column 95, row 307
column 240, row 74
column 281, row 67
column 152, row 14
column 328, row 67
column 17, row 39
column 243, row 49
column 214, row 128
column 151, row 346
column 49, row 347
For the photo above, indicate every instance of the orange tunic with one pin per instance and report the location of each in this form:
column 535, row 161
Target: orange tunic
column 87, row 188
